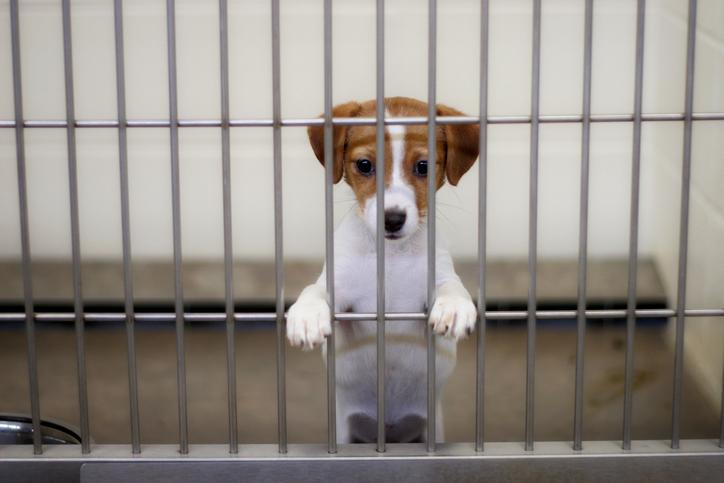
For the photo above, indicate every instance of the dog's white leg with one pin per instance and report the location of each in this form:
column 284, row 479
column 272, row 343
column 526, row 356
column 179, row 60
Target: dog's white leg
column 439, row 425
column 453, row 313
column 308, row 320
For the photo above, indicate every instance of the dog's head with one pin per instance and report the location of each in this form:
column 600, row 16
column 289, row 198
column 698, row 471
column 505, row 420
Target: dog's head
column 406, row 158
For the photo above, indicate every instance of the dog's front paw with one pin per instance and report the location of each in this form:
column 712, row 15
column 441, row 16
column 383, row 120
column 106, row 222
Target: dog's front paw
column 453, row 316
column 308, row 322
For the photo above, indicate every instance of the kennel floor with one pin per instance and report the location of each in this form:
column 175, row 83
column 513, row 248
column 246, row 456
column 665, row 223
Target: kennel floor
column 306, row 390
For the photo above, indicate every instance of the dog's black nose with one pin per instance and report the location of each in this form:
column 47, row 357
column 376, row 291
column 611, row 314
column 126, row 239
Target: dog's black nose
column 394, row 219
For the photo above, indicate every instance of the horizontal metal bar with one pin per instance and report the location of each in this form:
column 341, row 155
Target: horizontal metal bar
column 544, row 314
column 250, row 452
column 503, row 462
column 349, row 317
column 367, row 121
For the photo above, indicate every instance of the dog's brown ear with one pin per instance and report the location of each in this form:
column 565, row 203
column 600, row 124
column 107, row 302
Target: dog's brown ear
column 316, row 137
column 462, row 145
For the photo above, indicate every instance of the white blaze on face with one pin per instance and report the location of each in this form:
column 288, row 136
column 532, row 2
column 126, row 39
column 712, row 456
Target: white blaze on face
column 399, row 195
column 397, row 142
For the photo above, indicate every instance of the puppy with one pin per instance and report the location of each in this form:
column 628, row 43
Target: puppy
column 453, row 313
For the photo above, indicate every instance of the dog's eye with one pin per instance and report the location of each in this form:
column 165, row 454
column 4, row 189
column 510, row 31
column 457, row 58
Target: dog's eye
column 420, row 168
column 365, row 167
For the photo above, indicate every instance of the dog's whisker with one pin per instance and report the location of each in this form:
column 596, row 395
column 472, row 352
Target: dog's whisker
column 452, row 205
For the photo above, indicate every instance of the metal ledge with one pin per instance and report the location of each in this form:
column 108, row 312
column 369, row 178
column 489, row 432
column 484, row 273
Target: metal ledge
column 318, row 452
column 696, row 460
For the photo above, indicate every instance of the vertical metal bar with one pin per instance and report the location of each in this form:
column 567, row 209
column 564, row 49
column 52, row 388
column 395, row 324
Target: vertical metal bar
column 533, row 231
column 583, row 227
column 721, row 414
column 329, row 227
column 482, row 230
column 228, row 246
column 634, row 225
column 278, row 231
column 431, row 213
column 176, row 213
column 24, row 228
column 380, row 138
column 684, row 227
column 75, row 229
column 126, row 228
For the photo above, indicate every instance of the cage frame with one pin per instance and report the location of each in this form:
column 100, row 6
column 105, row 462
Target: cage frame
column 677, row 458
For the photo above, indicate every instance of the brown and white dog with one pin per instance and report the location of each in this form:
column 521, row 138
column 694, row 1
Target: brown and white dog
column 453, row 314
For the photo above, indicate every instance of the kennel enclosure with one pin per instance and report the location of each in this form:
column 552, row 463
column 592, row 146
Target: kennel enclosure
column 676, row 459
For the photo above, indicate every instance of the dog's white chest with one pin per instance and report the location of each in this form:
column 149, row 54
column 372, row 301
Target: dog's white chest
column 405, row 283
column 406, row 354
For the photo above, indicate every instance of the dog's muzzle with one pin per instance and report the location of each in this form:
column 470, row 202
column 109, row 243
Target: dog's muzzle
column 394, row 221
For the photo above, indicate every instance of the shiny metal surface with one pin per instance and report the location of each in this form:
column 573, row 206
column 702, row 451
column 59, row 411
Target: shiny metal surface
column 228, row 237
column 533, row 232
column 18, row 429
column 432, row 213
column 684, row 228
column 634, row 225
column 75, row 225
column 278, row 230
column 583, row 227
column 329, row 228
column 482, row 230
column 380, row 152
column 183, row 418
column 697, row 460
column 126, row 227
column 28, row 302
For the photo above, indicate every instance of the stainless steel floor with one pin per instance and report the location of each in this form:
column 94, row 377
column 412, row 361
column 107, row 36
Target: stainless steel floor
column 306, row 391
column 206, row 359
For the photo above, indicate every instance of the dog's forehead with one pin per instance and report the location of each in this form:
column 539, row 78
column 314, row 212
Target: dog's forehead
column 362, row 138
column 405, row 107
column 394, row 107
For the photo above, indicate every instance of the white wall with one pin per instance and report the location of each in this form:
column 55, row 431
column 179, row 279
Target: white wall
column 354, row 73
column 704, row 337
column 302, row 96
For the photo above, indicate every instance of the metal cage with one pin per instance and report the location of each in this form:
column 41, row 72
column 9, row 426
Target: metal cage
column 627, row 459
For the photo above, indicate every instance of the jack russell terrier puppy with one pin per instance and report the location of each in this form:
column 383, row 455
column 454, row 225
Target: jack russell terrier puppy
column 453, row 313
